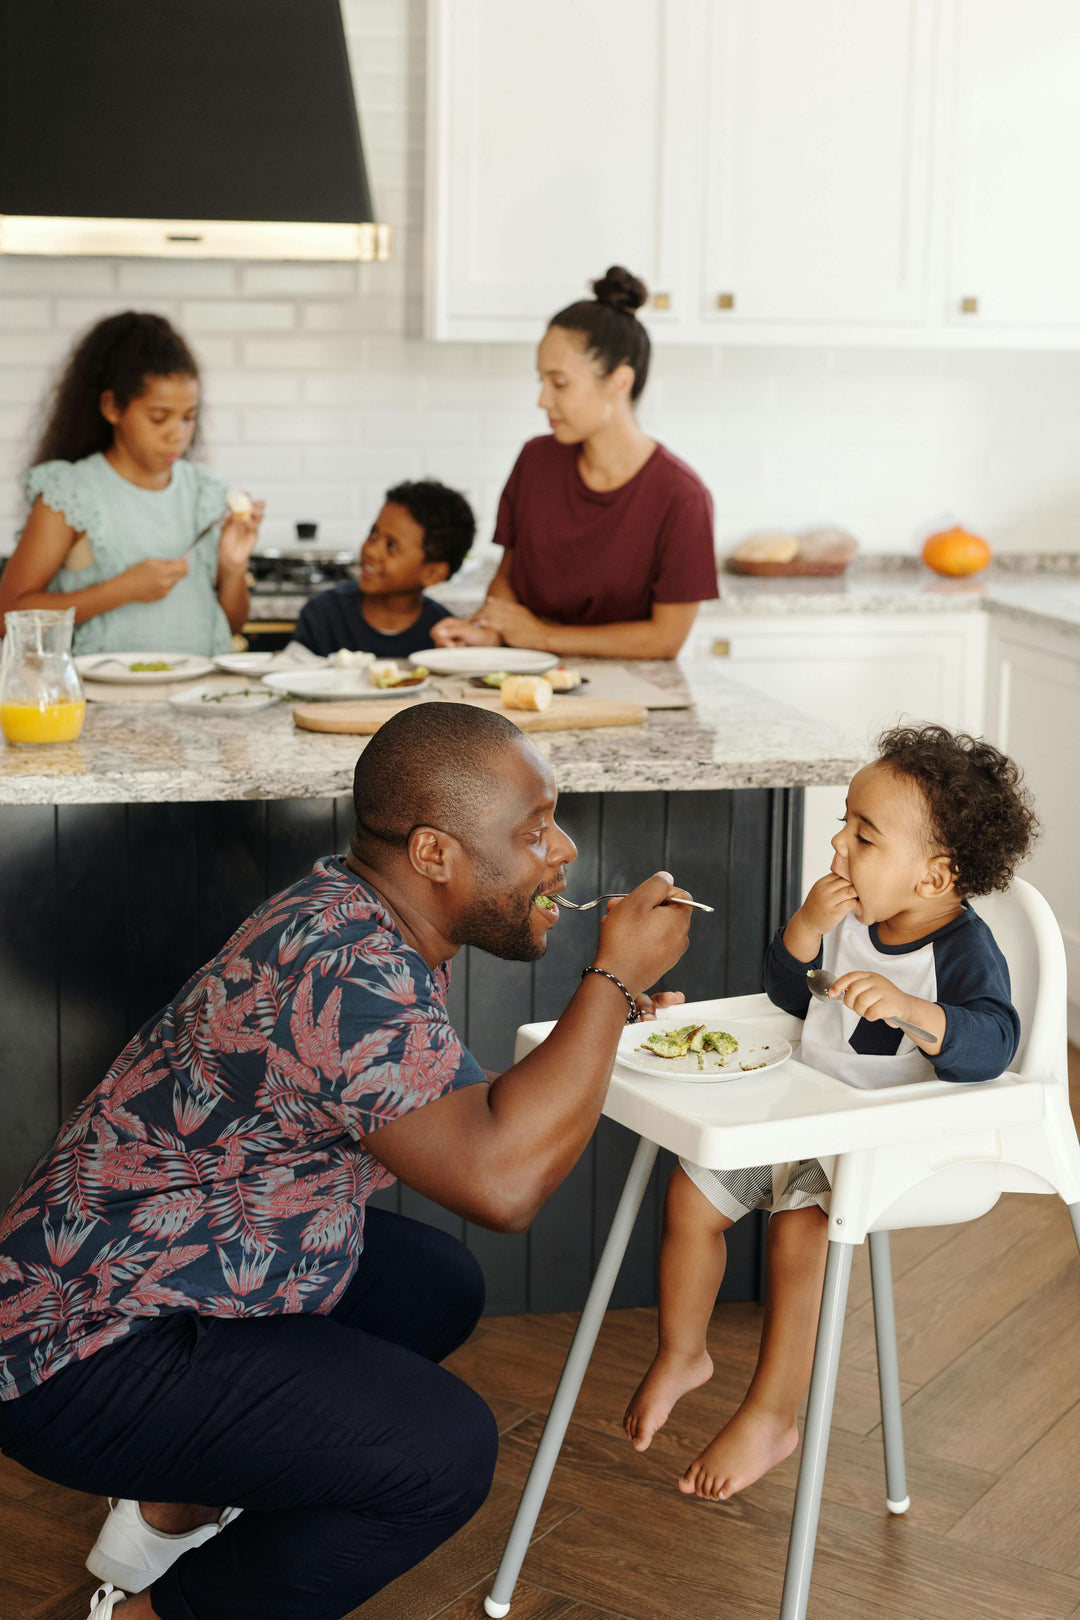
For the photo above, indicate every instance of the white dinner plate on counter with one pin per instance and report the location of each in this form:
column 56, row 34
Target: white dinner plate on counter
column 328, row 685
column 115, row 668
column 754, row 1055
column 484, row 660
column 228, row 700
column 263, row 663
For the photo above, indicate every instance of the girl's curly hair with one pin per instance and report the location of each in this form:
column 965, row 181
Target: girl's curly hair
column 978, row 810
column 117, row 354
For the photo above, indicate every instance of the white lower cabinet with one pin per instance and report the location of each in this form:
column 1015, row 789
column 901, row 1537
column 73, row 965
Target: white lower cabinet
column 1033, row 713
column 861, row 674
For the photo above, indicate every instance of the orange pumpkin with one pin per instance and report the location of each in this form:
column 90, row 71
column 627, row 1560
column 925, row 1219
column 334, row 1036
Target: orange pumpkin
column 955, row 552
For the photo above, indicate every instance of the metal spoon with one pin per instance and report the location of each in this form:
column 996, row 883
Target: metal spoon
column 587, row 905
column 820, row 984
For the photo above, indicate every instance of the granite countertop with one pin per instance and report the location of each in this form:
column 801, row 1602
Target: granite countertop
column 1046, row 598
column 729, row 738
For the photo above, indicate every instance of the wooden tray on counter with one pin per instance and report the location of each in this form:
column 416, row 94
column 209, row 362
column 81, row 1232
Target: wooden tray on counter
column 565, row 714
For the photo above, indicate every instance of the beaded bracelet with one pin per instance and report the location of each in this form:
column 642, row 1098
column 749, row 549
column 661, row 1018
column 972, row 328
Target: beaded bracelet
column 634, row 1015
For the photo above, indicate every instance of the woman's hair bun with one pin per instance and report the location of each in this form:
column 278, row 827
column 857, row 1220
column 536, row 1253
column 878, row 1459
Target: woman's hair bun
column 621, row 290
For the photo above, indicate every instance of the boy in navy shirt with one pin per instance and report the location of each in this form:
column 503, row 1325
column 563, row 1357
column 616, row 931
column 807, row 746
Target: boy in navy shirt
column 935, row 819
column 420, row 538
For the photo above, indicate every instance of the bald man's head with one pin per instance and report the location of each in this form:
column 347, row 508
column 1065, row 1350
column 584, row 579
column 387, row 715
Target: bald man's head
column 435, row 765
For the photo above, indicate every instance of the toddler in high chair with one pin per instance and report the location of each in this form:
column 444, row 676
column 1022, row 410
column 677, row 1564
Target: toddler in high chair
column 934, row 820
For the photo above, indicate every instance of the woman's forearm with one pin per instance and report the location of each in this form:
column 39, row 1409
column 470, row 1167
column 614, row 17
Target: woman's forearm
column 633, row 639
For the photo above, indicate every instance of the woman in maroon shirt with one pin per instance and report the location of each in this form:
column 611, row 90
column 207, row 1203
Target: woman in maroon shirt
column 607, row 537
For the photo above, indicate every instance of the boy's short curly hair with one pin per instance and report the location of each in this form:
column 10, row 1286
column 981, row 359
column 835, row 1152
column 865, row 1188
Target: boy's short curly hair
column 977, row 808
column 445, row 517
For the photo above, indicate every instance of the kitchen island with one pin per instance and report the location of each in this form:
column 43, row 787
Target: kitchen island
column 131, row 854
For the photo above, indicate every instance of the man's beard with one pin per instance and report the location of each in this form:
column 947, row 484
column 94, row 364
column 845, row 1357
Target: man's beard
column 498, row 923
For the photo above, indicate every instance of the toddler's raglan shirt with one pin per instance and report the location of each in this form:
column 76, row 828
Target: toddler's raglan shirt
column 959, row 967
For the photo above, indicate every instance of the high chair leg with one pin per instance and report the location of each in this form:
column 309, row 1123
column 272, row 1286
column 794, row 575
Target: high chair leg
column 897, row 1499
column 804, row 1521
column 497, row 1603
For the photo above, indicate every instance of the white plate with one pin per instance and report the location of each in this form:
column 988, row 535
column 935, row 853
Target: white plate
column 228, row 700
column 113, row 668
column 754, row 1050
column 328, row 685
column 484, row 660
column 246, row 663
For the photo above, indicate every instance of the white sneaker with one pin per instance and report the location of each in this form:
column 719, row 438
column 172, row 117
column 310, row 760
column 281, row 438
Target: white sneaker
column 104, row 1601
column 132, row 1554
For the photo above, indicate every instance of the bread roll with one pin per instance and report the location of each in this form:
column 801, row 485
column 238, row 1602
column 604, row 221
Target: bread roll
column 563, row 680
column 771, row 548
column 239, row 503
column 525, row 692
column 827, row 545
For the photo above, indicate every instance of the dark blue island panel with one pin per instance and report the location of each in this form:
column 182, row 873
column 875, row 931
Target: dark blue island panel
column 106, row 910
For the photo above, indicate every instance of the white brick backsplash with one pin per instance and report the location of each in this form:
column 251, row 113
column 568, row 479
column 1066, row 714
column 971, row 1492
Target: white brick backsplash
column 287, row 426
column 303, row 354
column 245, row 388
column 320, row 394
column 187, row 278
column 297, row 280
column 24, row 387
column 36, row 275
column 24, row 314
column 241, row 315
column 75, row 315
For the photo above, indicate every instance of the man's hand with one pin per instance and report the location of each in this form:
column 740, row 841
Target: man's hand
column 463, row 633
column 512, row 623
column 641, row 937
column 872, row 997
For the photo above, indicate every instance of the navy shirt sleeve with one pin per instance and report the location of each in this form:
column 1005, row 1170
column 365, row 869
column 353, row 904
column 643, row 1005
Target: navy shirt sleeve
column 785, row 977
column 982, row 1027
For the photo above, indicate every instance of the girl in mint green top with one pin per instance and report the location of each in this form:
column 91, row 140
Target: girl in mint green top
column 116, row 507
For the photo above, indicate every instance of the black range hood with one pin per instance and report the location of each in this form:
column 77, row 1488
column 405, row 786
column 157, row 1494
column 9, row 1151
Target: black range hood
column 181, row 129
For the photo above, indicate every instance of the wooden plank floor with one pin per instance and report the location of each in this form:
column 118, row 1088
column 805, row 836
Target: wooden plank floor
column 989, row 1322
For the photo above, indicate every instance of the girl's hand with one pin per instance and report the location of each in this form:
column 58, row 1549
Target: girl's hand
column 151, row 580
column 238, row 537
column 512, row 623
column 872, row 997
column 463, row 633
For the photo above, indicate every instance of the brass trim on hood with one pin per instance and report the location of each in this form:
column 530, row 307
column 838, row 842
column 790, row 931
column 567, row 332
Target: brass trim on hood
column 193, row 238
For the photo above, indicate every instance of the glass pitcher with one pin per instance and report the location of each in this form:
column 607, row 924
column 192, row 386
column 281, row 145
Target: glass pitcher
column 41, row 696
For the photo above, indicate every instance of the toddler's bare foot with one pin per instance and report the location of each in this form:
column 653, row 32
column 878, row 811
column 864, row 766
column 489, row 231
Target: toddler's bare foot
column 753, row 1442
column 670, row 1376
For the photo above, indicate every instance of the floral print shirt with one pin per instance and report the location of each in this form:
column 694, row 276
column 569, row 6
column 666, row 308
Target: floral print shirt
column 218, row 1168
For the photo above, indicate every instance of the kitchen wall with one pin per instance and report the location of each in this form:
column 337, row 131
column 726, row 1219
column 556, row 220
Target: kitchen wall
column 320, row 391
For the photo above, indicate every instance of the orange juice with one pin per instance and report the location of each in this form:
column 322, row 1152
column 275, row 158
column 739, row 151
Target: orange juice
column 55, row 722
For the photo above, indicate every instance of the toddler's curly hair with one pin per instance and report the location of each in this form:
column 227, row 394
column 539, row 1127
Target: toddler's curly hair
column 977, row 808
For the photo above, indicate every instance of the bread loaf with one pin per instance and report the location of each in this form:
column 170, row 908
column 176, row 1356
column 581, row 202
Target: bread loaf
column 827, row 545
column 771, row 548
column 525, row 692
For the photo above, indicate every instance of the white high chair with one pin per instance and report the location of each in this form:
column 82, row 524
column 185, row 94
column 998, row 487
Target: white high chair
column 927, row 1154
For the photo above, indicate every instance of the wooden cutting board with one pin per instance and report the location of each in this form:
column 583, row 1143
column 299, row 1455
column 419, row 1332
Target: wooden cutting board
column 565, row 714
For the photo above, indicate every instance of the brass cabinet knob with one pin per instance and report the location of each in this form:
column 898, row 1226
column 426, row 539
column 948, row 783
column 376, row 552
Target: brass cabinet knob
column 661, row 300
column 725, row 301
column 969, row 306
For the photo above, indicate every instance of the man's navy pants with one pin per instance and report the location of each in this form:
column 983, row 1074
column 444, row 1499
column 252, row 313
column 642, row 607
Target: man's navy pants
column 352, row 1452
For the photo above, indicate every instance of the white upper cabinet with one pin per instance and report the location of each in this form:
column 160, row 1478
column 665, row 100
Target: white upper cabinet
column 817, row 130
column 1014, row 255
column 778, row 171
column 548, row 159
